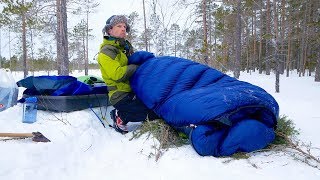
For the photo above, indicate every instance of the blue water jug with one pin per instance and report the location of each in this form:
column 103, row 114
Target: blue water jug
column 30, row 110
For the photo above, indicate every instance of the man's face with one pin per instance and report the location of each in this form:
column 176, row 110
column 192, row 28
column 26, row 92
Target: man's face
column 119, row 30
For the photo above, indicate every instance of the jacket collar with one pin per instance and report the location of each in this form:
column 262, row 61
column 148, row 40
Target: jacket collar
column 119, row 43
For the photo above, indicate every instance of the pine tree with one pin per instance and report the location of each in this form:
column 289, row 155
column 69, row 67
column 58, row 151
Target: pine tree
column 85, row 7
column 18, row 11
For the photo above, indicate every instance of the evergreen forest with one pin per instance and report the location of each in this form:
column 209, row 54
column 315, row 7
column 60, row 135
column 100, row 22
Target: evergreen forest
column 230, row 35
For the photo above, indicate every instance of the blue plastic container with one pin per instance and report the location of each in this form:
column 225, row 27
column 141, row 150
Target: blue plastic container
column 30, row 110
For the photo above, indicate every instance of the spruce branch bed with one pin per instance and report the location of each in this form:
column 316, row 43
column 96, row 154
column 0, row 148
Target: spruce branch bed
column 286, row 141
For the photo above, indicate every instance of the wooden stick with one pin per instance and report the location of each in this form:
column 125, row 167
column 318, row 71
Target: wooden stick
column 36, row 136
column 16, row 135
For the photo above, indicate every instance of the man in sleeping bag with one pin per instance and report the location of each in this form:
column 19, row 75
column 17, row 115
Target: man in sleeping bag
column 115, row 70
column 228, row 115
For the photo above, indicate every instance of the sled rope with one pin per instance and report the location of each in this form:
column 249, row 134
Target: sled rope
column 101, row 120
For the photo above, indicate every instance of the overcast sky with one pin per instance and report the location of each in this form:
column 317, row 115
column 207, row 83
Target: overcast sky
column 171, row 12
column 106, row 9
column 98, row 18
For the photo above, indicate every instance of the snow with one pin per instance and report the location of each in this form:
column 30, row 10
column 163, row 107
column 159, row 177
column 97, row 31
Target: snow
column 81, row 148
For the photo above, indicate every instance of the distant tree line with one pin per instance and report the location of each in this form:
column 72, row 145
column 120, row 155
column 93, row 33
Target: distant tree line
column 42, row 64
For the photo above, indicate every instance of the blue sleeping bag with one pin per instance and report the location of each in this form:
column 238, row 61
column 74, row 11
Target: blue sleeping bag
column 228, row 115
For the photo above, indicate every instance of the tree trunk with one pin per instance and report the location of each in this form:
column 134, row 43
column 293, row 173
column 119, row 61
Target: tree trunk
column 316, row 51
column 317, row 74
column 238, row 42
column 86, row 46
column 276, row 38
column 282, row 35
column 84, row 56
column 24, row 45
column 31, row 60
column 9, row 44
column 254, row 58
column 268, row 29
column 303, row 43
column 308, row 39
column 64, row 39
column 248, row 46
column 58, row 35
column 145, row 26
column 288, row 60
column 205, row 32
column 260, row 45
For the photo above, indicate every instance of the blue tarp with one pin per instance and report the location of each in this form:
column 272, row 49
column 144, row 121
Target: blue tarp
column 58, row 86
column 229, row 115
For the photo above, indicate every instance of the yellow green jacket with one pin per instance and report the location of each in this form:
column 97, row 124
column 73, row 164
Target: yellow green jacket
column 114, row 67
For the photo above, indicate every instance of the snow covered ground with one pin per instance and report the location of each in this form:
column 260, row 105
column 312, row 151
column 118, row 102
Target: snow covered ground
column 81, row 148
